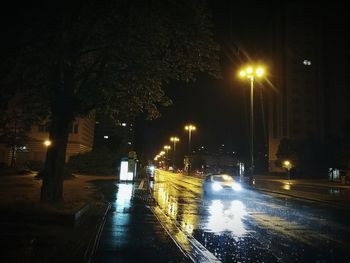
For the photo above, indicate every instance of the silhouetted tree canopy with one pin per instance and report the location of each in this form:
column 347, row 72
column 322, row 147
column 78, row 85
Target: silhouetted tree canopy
column 110, row 56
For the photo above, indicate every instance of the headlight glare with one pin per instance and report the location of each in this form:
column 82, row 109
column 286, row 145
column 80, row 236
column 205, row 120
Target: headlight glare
column 237, row 187
column 216, row 187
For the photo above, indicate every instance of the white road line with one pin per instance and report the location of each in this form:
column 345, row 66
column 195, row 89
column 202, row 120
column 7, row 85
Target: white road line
column 141, row 184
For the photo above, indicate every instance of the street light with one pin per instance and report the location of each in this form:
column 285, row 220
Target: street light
column 47, row 143
column 288, row 165
column 167, row 148
column 251, row 73
column 174, row 140
column 189, row 128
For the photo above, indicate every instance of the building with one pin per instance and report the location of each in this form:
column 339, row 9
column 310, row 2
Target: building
column 80, row 140
column 118, row 136
column 311, row 75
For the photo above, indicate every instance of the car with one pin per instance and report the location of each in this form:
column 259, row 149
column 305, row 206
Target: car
column 220, row 184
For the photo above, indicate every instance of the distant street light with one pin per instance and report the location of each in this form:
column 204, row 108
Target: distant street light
column 174, row 140
column 287, row 165
column 47, row 143
column 167, row 148
column 251, row 73
column 189, row 128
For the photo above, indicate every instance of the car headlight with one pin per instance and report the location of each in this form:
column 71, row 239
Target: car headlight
column 216, row 187
column 237, row 187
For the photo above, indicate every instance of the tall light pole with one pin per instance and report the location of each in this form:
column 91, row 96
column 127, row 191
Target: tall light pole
column 251, row 74
column 174, row 140
column 189, row 128
column 167, row 148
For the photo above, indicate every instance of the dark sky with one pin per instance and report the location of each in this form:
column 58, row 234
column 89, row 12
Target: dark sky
column 219, row 108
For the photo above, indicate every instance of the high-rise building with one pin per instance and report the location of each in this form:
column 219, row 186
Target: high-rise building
column 311, row 58
column 118, row 136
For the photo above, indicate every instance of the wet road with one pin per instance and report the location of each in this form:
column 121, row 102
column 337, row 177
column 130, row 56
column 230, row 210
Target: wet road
column 250, row 226
column 132, row 233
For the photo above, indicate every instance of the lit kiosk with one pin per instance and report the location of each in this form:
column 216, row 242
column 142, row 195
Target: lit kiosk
column 128, row 168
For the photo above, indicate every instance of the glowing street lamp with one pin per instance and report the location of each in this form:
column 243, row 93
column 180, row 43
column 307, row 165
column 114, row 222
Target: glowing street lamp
column 167, row 148
column 174, row 140
column 287, row 165
column 251, row 73
column 47, row 143
column 189, row 128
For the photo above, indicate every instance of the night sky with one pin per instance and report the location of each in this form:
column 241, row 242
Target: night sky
column 218, row 107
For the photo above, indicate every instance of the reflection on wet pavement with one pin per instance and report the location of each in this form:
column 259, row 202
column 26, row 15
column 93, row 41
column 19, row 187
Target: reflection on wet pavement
column 132, row 233
column 227, row 216
column 252, row 226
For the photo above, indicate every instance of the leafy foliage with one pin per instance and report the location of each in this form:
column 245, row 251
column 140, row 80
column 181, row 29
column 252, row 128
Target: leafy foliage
column 97, row 162
column 115, row 56
column 111, row 56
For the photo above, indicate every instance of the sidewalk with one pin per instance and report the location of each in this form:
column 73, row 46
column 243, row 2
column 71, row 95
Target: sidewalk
column 33, row 232
column 320, row 190
column 132, row 233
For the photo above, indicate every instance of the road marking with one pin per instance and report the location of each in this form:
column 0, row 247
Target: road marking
column 186, row 243
column 141, row 184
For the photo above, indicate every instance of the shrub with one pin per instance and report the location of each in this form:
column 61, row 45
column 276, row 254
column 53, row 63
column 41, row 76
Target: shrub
column 97, row 162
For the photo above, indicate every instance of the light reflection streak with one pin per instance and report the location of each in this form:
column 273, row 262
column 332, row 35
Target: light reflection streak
column 286, row 186
column 227, row 216
column 124, row 195
column 186, row 221
column 122, row 205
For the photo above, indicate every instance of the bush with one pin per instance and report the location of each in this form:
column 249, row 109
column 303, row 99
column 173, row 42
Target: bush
column 34, row 165
column 96, row 162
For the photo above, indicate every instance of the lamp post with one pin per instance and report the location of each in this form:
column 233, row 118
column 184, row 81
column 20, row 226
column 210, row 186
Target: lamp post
column 287, row 165
column 251, row 74
column 174, row 140
column 166, row 148
column 189, row 128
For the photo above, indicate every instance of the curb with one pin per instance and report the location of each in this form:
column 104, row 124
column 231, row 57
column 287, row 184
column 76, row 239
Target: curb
column 94, row 241
column 49, row 217
column 333, row 203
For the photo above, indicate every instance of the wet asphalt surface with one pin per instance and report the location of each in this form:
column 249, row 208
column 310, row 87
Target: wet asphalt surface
column 249, row 226
column 131, row 232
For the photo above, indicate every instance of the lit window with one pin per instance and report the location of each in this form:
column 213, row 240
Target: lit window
column 105, row 137
column 123, row 124
column 307, row 62
column 129, row 143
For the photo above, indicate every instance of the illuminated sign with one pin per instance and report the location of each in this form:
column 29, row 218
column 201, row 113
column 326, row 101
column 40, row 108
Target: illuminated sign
column 123, row 176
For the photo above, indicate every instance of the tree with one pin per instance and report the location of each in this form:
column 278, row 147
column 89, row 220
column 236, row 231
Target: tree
column 15, row 123
column 288, row 150
column 109, row 56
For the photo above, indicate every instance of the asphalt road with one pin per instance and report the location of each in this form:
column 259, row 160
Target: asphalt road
column 250, row 226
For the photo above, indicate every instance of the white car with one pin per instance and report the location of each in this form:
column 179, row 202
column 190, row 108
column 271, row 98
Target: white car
column 220, row 184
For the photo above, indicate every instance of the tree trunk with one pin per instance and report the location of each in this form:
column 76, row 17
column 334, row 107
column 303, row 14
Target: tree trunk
column 52, row 187
column 13, row 157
